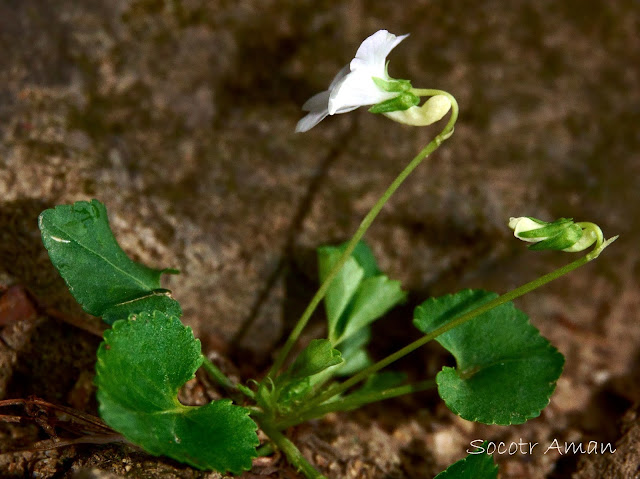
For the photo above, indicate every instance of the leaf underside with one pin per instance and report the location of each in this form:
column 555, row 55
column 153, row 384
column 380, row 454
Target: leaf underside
column 506, row 371
column 99, row 274
column 142, row 364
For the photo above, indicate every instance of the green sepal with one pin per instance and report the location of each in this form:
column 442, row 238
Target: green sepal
column 142, row 364
column 99, row 274
column 558, row 235
column 475, row 466
column 547, row 229
column 392, row 86
column 506, row 371
column 561, row 240
column 403, row 101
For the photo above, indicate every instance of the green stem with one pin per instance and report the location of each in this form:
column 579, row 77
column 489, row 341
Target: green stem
column 526, row 288
column 364, row 226
column 217, row 375
column 220, row 378
column 355, row 401
column 290, row 450
column 265, row 450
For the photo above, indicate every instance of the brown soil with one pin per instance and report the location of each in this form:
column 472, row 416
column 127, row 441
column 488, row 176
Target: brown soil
column 179, row 115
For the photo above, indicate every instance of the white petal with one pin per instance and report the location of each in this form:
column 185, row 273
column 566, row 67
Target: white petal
column 522, row 225
column 347, row 109
column 355, row 90
column 311, row 120
column 317, row 102
column 344, row 71
column 373, row 52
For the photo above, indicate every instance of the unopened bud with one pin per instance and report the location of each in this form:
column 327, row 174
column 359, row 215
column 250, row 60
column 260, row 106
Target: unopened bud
column 562, row 234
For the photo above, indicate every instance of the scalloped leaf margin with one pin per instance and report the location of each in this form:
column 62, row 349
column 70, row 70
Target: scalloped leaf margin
column 506, row 371
column 142, row 364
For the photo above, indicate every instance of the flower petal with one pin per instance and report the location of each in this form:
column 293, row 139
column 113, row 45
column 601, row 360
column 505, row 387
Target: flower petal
column 344, row 71
column 310, row 120
column 355, row 90
column 317, row 102
column 373, row 52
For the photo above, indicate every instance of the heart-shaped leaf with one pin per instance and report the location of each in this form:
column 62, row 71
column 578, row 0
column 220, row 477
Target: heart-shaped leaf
column 98, row 273
column 142, row 364
column 506, row 371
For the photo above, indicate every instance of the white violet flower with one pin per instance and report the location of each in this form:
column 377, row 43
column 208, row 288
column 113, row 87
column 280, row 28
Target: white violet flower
column 362, row 82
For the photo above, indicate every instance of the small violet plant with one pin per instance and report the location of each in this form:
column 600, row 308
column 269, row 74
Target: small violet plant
column 505, row 370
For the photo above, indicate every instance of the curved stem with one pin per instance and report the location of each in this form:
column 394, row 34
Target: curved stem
column 511, row 295
column 362, row 229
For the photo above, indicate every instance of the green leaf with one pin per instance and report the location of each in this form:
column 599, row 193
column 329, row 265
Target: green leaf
column 158, row 300
column 342, row 288
column 475, row 466
column 98, row 273
column 311, row 366
column 292, row 393
column 505, row 372
column 316, row 357
column 359, row 294
column 374, row 298
column 142, row 364
column 354, row 353
column 365, row 258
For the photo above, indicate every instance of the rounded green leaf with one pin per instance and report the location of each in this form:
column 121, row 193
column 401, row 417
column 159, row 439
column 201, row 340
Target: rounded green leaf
column 142, row 364
column 506, row 371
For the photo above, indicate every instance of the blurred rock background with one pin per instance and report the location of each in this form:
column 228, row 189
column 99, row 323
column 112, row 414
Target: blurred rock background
column 179, row 115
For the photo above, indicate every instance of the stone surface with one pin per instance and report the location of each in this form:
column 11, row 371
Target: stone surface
column 179, row 115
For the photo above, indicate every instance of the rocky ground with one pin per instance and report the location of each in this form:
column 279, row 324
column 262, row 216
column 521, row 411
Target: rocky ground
column 179, row 115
